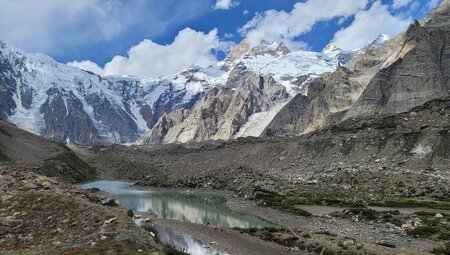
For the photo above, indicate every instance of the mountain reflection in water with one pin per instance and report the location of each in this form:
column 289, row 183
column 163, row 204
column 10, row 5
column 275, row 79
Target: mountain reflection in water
column 193, row 208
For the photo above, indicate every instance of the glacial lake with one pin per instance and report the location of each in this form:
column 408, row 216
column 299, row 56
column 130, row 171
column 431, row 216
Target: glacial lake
column 185, row 207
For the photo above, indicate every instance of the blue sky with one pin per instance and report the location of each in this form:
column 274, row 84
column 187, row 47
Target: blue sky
column 97, row 31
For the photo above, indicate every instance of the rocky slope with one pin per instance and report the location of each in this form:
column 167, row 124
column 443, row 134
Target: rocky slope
column 31, row 152
column 401, row 74
column 41, row 215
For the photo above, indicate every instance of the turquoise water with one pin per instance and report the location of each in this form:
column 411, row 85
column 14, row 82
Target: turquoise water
column 193, row 208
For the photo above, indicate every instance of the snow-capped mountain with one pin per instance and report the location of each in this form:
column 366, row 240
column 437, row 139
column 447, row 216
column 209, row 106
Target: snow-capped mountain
column 254, row 85
column 65, row 103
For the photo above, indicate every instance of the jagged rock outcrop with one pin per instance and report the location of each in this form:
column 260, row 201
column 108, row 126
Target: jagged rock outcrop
column 421, row 75
column 220, row 113
column 403, row 73
column 327, row 96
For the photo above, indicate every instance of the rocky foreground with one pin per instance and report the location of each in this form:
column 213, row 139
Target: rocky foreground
column 42, row 215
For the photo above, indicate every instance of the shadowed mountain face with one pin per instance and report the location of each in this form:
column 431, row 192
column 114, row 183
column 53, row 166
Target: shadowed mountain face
column 19, row 147
column 64, row 103
column 404, row 73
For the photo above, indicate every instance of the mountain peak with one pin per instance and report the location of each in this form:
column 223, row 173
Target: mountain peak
column 269, row 48
column 379, row 41
column 331, row 47
column 239, row 50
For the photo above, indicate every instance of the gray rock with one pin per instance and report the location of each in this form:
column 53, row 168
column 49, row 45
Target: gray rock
column 130, row 213
column 348, row 243
column 124, row 237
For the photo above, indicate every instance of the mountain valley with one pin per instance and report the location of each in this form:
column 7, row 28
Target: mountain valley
column 269, row 151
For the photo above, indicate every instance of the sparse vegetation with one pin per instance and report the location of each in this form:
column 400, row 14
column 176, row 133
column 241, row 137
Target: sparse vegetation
column 406, row 202
column 433, row 227
column 280, row 236
column 3, row 157
column 171, row 250
column 280, row 202
column 68, row 167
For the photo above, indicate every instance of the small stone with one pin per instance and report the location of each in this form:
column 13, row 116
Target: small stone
column 112, row 220
column 438, row 215
column 109, row 202
column 153, row 234
column 103, row 238
column 348, row 243
column 93, row 244
column 130, row 213
column 140, row 251
column 407, row 227
column 124, row 237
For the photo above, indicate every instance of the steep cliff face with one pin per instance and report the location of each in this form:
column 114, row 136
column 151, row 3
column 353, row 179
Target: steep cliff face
column 327, row 97
column 221, row 112
column 421, row 75
column 392, row 77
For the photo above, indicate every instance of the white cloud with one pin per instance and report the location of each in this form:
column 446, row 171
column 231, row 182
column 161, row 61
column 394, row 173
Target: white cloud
column 149, row 59
column 396, row 4
column 368, row 25
column 245, row 12
column 285, row 26
column 225, row 4
column 54, row 26
column 87, row 65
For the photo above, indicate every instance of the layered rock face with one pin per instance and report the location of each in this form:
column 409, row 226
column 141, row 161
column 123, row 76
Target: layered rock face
column 421, row 75
column 221, row 112
column 403, row 73
column 327, row 96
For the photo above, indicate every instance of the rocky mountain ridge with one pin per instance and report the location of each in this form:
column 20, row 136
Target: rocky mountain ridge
column 403, row 73
column 66, row 104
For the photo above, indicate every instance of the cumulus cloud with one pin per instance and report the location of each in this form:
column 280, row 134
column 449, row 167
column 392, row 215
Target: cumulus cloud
column 87, row 65
column 368, row 25
column 56, row 26
column 396, row 4
column 149, row 59
column 283, row 26
column 225, row 4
